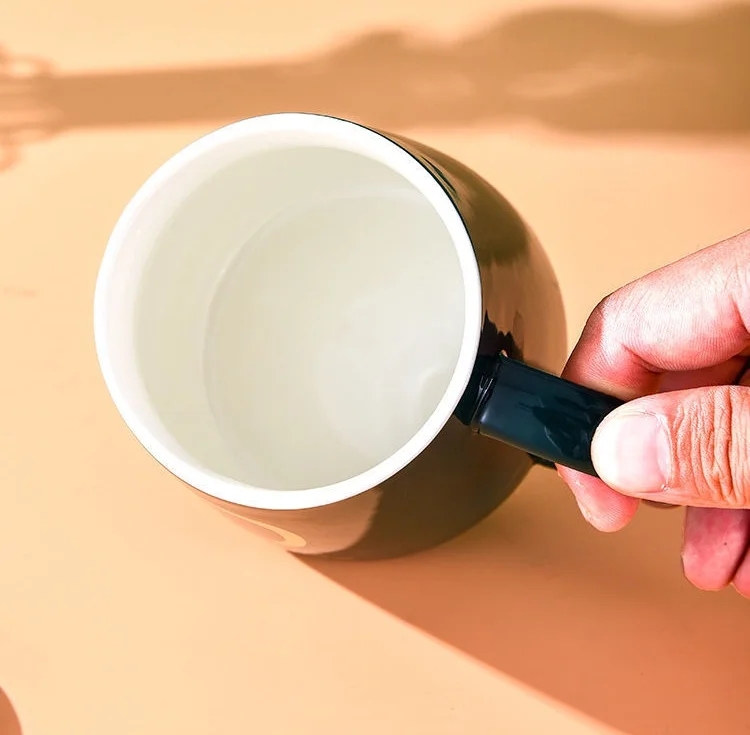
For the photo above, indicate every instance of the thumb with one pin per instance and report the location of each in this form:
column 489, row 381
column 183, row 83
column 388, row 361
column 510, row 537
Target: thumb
column 689, row 447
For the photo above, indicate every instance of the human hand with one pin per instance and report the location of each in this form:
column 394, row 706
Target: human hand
column 675, row 345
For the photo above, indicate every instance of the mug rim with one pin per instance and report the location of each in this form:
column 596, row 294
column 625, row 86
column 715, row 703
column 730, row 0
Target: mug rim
column 354, row 137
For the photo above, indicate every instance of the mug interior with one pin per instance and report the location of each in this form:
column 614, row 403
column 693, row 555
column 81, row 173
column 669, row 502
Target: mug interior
column 284, row 311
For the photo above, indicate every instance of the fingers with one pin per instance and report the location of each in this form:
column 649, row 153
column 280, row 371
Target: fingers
column 690, row 319
column 715, row 544
column 689, row 315
column 604, row 508
column 608, row 510
column 686, row 447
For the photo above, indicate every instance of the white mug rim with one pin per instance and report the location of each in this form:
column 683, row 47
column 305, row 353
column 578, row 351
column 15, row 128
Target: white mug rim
column 354, row 137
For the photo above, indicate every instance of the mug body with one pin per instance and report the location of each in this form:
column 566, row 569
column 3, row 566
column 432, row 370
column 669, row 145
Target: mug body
column 287, row 317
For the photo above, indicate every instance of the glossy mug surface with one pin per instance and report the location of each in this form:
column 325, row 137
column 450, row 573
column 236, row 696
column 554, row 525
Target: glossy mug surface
column 288, row 315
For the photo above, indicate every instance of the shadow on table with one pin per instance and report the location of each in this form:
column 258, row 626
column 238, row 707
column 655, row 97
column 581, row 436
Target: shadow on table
column 9, row 724
column 582, row 70
column 602, row 623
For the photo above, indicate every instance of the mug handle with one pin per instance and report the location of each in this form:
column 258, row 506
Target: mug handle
column 548, row 417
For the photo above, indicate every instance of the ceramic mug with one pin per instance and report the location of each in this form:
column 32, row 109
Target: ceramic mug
column 321, row 328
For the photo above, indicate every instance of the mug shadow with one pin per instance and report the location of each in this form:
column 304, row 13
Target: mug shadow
column 9, row 723
column 582, row 70
column 604, row 624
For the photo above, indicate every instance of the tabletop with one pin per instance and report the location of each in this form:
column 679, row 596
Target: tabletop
column 621, row 132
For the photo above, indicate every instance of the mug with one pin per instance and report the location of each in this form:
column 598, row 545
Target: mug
column 322, row 328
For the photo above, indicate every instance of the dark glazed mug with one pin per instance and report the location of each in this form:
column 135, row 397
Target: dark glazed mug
column 321, row 327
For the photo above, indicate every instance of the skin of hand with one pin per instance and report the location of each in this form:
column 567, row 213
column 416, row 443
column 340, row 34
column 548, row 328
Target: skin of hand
column 675, row 345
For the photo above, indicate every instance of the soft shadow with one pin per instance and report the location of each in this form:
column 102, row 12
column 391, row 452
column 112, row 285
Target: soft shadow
column 9, row 723
column 603, row 623
column 577, row 69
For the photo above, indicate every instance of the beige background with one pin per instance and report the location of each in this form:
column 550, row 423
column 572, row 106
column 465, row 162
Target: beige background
column 127, row 605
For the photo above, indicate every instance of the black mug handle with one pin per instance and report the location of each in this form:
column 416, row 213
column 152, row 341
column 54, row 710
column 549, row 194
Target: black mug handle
column 551, row 418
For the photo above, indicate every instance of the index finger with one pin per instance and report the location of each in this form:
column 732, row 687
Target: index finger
column 689, row 315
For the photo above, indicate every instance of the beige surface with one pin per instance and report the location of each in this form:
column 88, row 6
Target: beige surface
column 129, row 606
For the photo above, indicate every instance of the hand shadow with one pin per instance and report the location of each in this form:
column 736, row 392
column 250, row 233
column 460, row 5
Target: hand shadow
column 9, row 724
column 582, row 70
column 603, row 623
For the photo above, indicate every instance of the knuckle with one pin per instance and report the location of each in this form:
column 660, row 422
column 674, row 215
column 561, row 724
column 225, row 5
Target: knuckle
column 606, row 320
column 600, row 316
column 728, row 273
column 709, row 436
column 609, row 310
column 613, row 320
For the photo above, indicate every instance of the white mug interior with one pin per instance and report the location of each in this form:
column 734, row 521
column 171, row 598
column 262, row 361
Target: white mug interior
column 288, row 311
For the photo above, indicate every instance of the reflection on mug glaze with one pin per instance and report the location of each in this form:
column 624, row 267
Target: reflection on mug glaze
column 287, row 539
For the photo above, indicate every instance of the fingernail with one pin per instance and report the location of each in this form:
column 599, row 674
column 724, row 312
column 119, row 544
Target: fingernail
column 631, row 452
